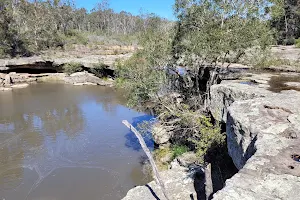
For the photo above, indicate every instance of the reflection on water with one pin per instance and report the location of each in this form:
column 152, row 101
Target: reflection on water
column 132, row 141
column 64, row 142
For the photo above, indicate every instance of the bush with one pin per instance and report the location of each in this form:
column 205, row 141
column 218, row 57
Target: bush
column 178, row 150
column 162, row 157
column 99, row 70
column 269, row 62
column 289, row 41
column 297, row 43
column 76, row 37
column 139, row 78
column 2, row 53
column 71, row 68
column 192, row 128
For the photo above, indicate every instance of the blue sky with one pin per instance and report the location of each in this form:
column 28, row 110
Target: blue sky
column 162, row 8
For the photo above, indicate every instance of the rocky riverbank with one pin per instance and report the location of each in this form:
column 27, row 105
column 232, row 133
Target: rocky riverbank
column 19, row 72
column 262, row 116
column 83, row 55
column 262, row 128
column 179, row 184
column 15, row 80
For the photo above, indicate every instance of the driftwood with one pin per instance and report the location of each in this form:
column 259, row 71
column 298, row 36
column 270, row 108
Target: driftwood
column 149, row 155
column 208, row 183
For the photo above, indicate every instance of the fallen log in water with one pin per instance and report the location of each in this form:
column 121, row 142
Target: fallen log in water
column 149, row 155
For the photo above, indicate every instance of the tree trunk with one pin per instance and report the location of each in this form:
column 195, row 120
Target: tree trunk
column 286, row 27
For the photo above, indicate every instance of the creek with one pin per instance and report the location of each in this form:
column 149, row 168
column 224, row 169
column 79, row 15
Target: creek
column 64, row 142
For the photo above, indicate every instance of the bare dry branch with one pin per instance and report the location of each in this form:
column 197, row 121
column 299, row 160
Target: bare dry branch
column 149, row 155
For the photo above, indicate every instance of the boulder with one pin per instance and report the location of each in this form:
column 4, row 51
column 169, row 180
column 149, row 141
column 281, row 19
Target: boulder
column 85, row 78
column 7, row 80
column 178, row 182
column 187, row 159
column 249, row 120
column 293, row 84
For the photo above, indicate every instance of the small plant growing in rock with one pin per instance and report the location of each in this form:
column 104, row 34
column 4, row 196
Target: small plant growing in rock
column 178, row 150
column 71, row 68
column 163, row 157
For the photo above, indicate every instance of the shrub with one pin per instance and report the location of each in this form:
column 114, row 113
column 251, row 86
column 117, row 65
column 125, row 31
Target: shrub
column 162, row 157
column 178, row 150
column 76, row 37
column 71, row 68
column 2, row 53
column 289, row 41
column 191, row 127
column 99, row 70
column 297, row 43
column 270, row 61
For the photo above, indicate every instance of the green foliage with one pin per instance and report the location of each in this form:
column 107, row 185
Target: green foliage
column 76, row 37
column 297, row 43
column 2, row 54
column 139, row 78
column 193, row 126
column 162, row 157
column 28, row 27
column 178, row 150
column 285, row 19
column 71, row 68
column 271, row 61
column 209, row 138
column 143, row 75
column 209, row 31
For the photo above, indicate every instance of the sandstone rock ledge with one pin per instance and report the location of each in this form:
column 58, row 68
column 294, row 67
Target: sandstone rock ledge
column 44, row 62
column 177, row 182
column 85, row 78
column 263, row 130
column 15, row 80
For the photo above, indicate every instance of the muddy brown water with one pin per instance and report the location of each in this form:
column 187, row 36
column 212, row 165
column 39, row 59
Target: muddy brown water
column 60, row 142
column 280, row 83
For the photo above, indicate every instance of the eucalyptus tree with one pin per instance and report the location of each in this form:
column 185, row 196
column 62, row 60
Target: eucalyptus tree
column 209, row 30
column 207, row 33
column 285, row 18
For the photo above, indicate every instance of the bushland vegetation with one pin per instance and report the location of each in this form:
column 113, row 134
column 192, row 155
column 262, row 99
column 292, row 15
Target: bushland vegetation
column 28, row 27
column 167, row 74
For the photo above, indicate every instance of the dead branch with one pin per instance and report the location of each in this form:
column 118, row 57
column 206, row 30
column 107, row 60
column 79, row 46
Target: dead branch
column 149, row 155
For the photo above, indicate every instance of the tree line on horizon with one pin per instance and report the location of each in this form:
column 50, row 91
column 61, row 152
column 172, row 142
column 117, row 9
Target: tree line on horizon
column 27, row 27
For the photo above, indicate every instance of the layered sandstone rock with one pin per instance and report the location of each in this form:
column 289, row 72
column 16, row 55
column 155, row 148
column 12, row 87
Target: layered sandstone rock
column 263, row 130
